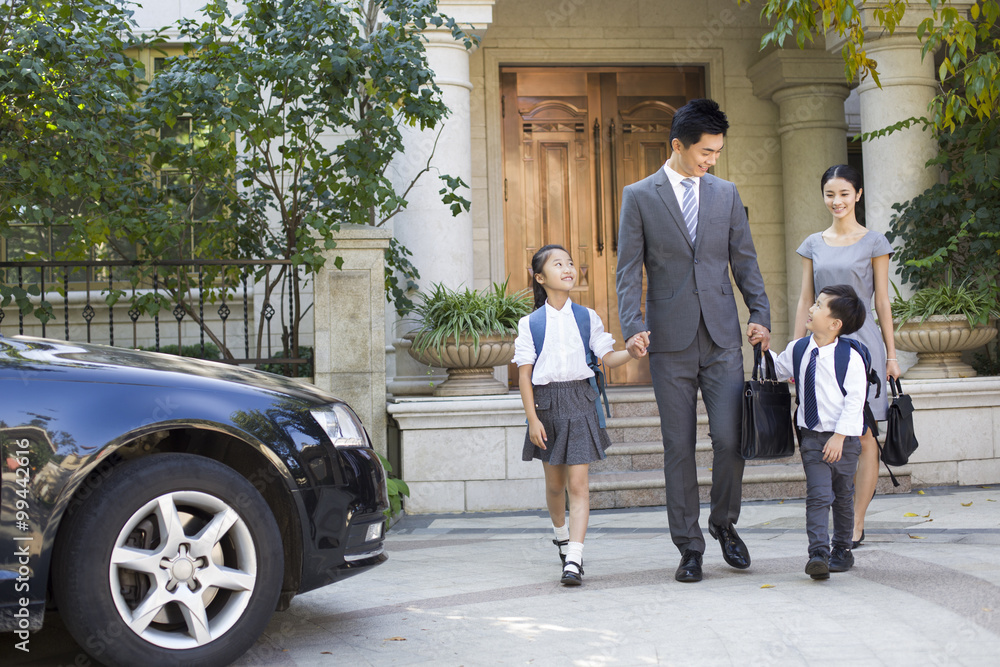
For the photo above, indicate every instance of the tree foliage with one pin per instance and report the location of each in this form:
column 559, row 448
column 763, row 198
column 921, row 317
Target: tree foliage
column 68, row 149
column 968, row 45
column 278, row 124
column 315, row 93
column 952, row 229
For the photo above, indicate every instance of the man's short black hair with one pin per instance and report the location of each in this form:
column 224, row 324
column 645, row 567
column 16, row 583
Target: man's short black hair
column 696, row 118
column 845, row 306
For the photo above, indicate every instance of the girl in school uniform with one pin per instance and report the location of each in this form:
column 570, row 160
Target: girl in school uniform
column 563, row 427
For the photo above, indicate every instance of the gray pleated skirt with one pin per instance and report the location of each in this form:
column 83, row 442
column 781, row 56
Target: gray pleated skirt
column 566, row 410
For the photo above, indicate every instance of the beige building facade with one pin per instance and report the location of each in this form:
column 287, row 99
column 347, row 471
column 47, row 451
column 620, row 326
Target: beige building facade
column 530, row 132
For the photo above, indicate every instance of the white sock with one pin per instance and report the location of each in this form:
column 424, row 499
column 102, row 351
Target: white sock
column 562, row 535
column 574, row 553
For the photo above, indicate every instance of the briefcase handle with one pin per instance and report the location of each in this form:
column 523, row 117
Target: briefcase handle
column 768, row 374
column 895, row 387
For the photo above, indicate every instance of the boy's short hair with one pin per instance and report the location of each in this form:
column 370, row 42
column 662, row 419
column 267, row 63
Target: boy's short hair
column 847, row 307
column 696, row 118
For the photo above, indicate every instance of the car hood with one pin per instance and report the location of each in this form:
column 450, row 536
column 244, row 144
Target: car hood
column 61, row 360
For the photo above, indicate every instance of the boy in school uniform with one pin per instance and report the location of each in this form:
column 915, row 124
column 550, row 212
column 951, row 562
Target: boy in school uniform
column 830, row 420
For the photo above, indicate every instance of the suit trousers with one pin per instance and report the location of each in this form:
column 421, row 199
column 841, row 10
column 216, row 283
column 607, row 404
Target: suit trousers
column 718, row 371
column 829, row 485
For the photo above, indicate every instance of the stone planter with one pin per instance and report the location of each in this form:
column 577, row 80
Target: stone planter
column 470, row 371
column 939, row 342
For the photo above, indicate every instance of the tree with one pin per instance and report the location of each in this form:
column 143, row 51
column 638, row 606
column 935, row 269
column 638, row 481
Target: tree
column 291, row 113
column 70, row 154
column 284, row 78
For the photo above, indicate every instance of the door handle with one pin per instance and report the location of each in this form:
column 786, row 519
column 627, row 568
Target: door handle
column 614, row 187
column 598, row 210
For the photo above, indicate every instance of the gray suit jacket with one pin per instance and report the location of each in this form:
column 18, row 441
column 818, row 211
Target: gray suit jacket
column 684, row 281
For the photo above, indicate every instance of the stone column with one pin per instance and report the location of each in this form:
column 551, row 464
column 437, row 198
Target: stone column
column 809, row 88
column 349, row 357
column 440, row 242
column 894, row 164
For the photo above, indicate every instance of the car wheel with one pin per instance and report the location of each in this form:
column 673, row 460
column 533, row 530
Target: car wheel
column 171, row 559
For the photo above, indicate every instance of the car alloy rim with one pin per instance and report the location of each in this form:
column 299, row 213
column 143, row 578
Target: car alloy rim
column 183, row 569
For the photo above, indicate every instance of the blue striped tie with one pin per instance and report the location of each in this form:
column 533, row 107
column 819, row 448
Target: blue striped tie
column 809, row 392
column 690, row 208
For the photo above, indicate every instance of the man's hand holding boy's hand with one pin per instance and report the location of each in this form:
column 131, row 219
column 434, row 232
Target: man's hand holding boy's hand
column 637, row 344
column 834, row 448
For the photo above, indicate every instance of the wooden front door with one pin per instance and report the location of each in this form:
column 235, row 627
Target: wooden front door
column 573, row 137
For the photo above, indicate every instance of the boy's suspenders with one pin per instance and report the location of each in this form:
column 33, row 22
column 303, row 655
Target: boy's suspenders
column 536, row 323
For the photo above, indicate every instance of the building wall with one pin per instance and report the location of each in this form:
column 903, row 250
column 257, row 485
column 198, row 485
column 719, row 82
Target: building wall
column 716, row 33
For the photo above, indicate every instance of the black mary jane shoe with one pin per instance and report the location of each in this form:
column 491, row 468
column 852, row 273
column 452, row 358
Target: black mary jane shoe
column 857, row 543
column 559, row 545
column 571, row 578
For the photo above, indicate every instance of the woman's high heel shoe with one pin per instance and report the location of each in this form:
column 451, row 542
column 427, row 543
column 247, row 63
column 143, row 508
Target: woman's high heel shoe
column 857, row 543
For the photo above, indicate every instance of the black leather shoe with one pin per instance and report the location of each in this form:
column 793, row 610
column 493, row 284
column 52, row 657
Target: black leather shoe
column 559, row 545
column 841, row 559
column 733, row 549
column 818, row 566
column 689, row 571
column 571, row 578
column 857, row 543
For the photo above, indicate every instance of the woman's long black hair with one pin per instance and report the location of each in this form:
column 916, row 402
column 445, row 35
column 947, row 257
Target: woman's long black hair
column 844, row 171
column 537, row 262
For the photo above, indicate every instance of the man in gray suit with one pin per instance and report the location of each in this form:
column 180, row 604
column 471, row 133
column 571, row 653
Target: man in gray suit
column 688, row 228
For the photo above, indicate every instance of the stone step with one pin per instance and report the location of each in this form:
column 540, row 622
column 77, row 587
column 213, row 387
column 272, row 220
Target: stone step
column 623, row 430
column 635, row 417
column 771, row 481
column 649, row 456
column 638, row 402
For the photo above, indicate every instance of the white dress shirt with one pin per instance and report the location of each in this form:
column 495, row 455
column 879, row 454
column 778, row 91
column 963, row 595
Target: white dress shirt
column 675, row 182
column 562, row 358
column 837, row 413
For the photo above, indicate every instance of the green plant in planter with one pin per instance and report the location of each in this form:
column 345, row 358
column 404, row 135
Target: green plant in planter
column 445, row 313
column 397, row 489
column 977, row 303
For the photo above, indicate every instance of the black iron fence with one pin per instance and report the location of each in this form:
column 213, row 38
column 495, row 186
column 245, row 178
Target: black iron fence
column 213, row 303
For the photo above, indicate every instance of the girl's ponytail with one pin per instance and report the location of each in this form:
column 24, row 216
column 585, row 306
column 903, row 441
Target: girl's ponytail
column 537, row 263
column 539, row 293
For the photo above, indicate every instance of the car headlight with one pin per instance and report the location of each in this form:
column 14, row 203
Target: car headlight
column 342, row 426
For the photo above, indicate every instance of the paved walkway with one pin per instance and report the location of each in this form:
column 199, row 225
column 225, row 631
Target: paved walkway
column 482, row 589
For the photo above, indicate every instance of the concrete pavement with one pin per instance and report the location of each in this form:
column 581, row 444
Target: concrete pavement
column 482, row 589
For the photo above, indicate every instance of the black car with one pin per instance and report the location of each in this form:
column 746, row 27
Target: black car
column 167, row 506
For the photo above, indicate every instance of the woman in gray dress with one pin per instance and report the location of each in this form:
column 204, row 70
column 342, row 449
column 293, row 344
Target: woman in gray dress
column 848, row 253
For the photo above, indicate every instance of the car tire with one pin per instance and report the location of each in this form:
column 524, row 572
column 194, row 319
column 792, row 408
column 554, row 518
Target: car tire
column 171, row 559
